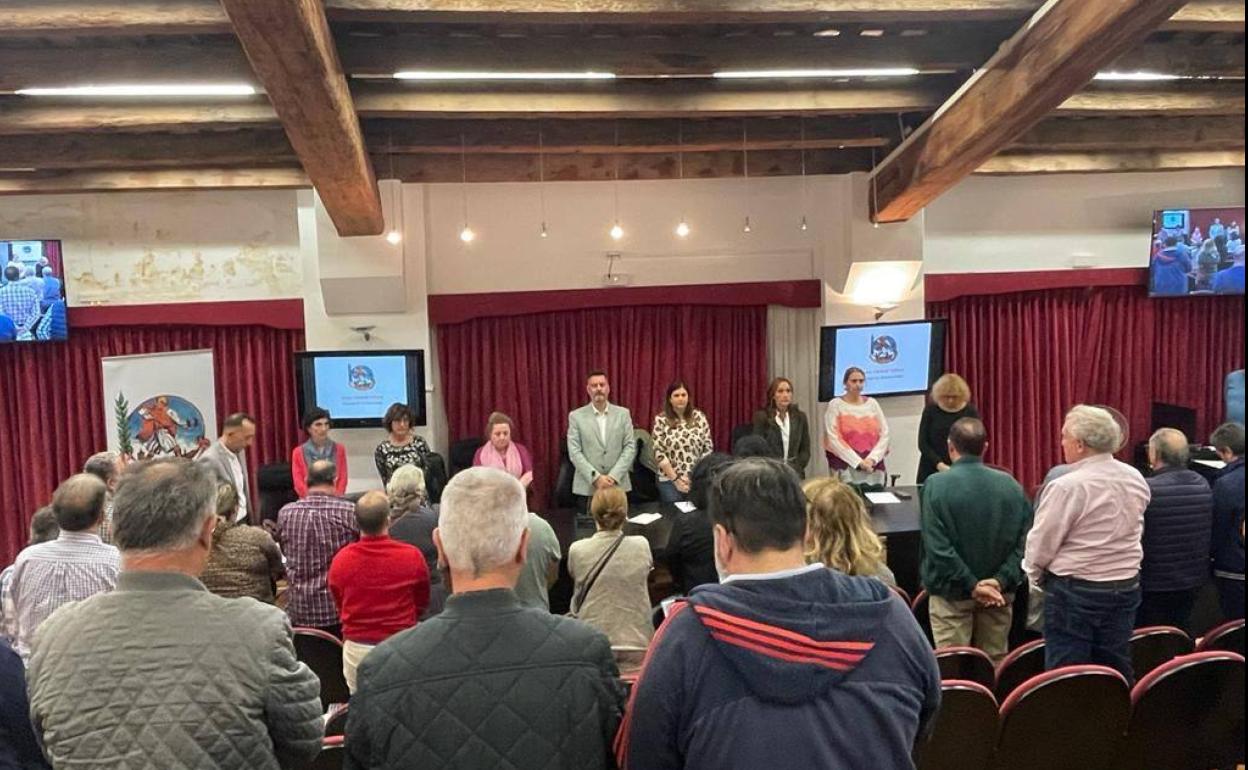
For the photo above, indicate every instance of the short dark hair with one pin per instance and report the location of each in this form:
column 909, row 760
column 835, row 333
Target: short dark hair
column 398, row 412
column 78, row 503
column 1171, row 241
column 314, row 414
column 851, row 370
column 372, row 512
column 703, row 474
column 595, row 373
column 322, row 473
column 12, row 273
column 969, row 436
column 1229, row 436
column 43, row 526
column 753, row 445
column 759, row 501
column 102, row 465
column 236, row 420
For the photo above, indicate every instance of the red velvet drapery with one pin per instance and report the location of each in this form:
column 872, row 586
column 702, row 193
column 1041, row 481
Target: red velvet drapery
column 1029, row 356
column 533, row 367
column 52, row 411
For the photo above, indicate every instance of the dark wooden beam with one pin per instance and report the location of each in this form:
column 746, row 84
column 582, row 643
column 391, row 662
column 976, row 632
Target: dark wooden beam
column 51, row 18
column 25, row 116
column 96, row 150
column 291, row 50
column 1217, row 132
column 1183, row 58
column 1107, row 162
column 217, row 59
column 1209, row 16
column 1053, row 56
column 1164, row 99
column 151, row 180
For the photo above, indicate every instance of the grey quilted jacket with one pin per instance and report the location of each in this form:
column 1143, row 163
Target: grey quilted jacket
column 487, row 684
column 161, row 674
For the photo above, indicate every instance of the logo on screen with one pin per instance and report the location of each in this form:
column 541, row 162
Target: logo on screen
column 883, row 349
column 361, row 377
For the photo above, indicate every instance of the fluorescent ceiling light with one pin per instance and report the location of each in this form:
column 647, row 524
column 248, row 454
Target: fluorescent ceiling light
column 439, row 75
column 1139, row 77
column 189, row 89
column 880, row 72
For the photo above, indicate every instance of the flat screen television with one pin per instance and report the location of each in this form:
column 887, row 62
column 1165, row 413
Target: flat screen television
column 357, row 387
column 32, row 292
column 899, row 359
column 1196, row 252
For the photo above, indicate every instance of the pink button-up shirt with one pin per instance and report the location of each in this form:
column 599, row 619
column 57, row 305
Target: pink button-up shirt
column 1089, row 523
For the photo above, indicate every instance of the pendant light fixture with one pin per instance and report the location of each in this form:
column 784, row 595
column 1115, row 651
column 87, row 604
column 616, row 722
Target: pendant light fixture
column 805, row 198
column 466, row 234
column 682, row 228
column 395, row 235
column 541, row 178
column 616, row 232
column 745, row 168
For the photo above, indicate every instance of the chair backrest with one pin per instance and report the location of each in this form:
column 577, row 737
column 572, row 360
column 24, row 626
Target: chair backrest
column 1153, row 645
column 332, row 756
column 965, row 731
column 561, row 495
column 905, row 597
column 1019, row 666
column 922, row 614
column 1189, row 713
column 323, row 654
column 966, row 664
column 1228, row 637
column 337, row 722
column 1070, row 718
column 462, row 452
column 739, row 432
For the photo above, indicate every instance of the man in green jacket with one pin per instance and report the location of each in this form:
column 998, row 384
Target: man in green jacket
column 974, row 527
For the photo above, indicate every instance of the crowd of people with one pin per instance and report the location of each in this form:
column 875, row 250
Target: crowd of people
column 32, row 303
column 143, row 629
column 1192, row 262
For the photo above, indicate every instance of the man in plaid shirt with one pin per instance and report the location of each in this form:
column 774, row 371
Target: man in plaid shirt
column 311, row 531
column 19, row 302
column 74, row 566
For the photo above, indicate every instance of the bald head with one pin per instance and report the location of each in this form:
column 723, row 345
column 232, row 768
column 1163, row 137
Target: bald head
column 321, row 474
column 372, row 513
column 1167, row 448
column 78, row 502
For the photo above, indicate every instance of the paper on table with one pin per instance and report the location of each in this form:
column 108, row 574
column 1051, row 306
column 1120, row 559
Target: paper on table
column 686, row 507
column 645, row 518
column 1212, row 463
column 879, row 498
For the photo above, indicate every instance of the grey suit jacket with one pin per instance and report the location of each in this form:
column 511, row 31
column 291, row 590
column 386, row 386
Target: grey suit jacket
column 217, row 458
column 591, row 456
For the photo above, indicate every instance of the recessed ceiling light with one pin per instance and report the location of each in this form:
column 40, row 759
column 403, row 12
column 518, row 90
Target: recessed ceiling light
column 433, row 76
column 828, row 33
column 872, row 33
column 913, row 32
column 878, row 72
column 1139, row 77
column 180, row 90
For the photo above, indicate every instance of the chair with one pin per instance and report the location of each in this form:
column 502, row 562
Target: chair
column 1019, row 666
column 966, row 664
column 561, row 496
column 323, row 654
column 1188, row 713
column 336, row 724
column 1153, row 645
column 920, row 607
column 901, row 592
column 462, row 452
column 1228, row 637
column 739, row 432
column 965, row 731
column 1070, row 718
column 332, row 754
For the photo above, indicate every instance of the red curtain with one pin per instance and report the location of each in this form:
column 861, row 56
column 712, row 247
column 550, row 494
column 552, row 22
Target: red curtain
column 52, row 411
column 1030, row 356
column 533, row 368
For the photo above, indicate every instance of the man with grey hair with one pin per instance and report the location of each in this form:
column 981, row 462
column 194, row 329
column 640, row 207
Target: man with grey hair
column 488, row 682
column 160, row 672
column 1177, row 527
column 107, row 467
column 75, row 565
column 1084, row 548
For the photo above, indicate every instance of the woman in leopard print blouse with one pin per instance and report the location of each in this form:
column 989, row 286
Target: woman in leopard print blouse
column 682, row 436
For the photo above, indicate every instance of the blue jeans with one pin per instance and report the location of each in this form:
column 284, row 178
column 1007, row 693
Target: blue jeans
column 668, row 493
column 1087, row 622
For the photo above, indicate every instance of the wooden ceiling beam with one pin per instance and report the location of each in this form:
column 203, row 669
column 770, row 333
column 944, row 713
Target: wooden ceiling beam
column 24, row 116
column 1053, row 56
column 1180, row 99
column 1209, row 16
column 1217, row 132
column 1182, row 58
column 53, row 18
column 96, row 150
column 213, row 59
column 151, row 180
column 1111, row 162
column 291, row 50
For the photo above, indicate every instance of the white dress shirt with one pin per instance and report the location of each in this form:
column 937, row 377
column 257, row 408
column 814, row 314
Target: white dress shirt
column 240, row 484
column 783, row 421
column 600, row 418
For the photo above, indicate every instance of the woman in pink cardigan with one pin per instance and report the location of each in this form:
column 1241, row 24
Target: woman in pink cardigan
column 499, row 451
column 319, row 446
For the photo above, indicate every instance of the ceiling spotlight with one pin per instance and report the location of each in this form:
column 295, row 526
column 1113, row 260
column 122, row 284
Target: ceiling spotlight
column 617, row 232
column 833, row 32
column 467, row 235
column 394, row 237
column 682, row 229
column 747, row 228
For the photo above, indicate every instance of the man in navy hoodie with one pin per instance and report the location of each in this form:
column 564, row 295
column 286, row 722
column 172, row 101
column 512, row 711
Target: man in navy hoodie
column 783, row 663
column 1228, row 519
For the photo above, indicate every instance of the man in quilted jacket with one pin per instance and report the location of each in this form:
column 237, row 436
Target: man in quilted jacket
column 488, row 683
column 160, row 673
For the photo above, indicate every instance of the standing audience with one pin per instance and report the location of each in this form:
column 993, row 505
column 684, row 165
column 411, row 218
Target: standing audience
column 784, row 426
column 488, row 682
column 601, row 444
column 1178, row 523
column 402, row 446
column 311, row 531
column 412, row 521
column 19, row 749
column 74, row 566
column 244, row 560
column 1085, row 547
column 319, row 446
column 1228, row 519
column 380, row 585
column 43, row 527
column 690, row 552
column 839, row 534
column 682, row 436
column 950, row 402
column 855, row 433
column 541, row 565
column 107, row 467
column 228, row 459
column 974, row 530
column 161, row 673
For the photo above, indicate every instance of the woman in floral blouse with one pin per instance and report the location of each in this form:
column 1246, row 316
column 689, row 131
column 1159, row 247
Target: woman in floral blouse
column 682, row 436
column 403, row 446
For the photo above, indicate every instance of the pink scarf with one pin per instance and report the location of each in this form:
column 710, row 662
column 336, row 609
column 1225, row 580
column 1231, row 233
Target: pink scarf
column 508, row 461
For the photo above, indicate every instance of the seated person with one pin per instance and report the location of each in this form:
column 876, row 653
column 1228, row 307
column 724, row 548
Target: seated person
column 499, row 451
column 690, row 552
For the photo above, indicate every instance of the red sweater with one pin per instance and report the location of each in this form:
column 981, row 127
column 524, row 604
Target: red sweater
column 380, row 586
column 299, row 470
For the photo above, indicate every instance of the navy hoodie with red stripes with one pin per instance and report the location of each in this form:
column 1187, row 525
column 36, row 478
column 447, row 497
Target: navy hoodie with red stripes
column 809, row 670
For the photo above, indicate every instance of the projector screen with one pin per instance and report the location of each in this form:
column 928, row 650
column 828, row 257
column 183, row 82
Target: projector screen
column 358, row 387
column 899, row 359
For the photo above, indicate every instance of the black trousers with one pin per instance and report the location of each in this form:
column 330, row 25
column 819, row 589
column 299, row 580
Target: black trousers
column 1166, row 608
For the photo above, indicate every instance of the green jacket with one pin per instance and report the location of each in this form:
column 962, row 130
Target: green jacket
column 974, row 526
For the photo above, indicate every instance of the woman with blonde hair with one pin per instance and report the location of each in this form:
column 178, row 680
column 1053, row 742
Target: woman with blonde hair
column 839, row 533
column 244, row 560
column 950, row 402
column 610, row 572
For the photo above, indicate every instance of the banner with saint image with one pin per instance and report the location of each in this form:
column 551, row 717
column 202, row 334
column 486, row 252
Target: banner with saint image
column 160, row 404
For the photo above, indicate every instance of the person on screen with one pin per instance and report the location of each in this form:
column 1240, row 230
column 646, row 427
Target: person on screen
column 499, row 451
column 19, row 302
column 1206, row 265
column 8, row 329
column 784, row 426
column 1231, row 280
column 51, row 286
column 319, row 446
column 682, row 436
column 1217, row 233
column 855, row 433
column 402, row 446
column 950, row 402
column 1171, row 267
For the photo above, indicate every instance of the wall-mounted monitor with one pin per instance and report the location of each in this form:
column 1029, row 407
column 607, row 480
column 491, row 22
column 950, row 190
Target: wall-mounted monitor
column 899, row 359
column 32, row 292
column 357, row 387
column 1196, row 251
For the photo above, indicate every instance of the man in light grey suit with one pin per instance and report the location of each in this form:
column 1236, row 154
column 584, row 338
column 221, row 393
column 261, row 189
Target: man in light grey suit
column 601, row 445
column 228, row 460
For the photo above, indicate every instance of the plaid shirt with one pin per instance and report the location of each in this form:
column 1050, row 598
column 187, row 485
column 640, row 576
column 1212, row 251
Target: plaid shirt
column 311, row 531
column 73, row 567
column 21, row 304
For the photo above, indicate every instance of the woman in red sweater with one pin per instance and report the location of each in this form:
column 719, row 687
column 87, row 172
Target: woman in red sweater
column 319, row 446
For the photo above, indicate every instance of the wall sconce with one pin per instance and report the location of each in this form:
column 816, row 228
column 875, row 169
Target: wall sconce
column 882, row 285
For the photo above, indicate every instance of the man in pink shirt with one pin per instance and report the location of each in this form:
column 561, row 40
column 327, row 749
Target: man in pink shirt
column 1085, row 547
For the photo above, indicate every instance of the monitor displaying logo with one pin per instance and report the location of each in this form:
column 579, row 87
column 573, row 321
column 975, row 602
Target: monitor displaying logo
column 361, row 377
column 883, row 349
